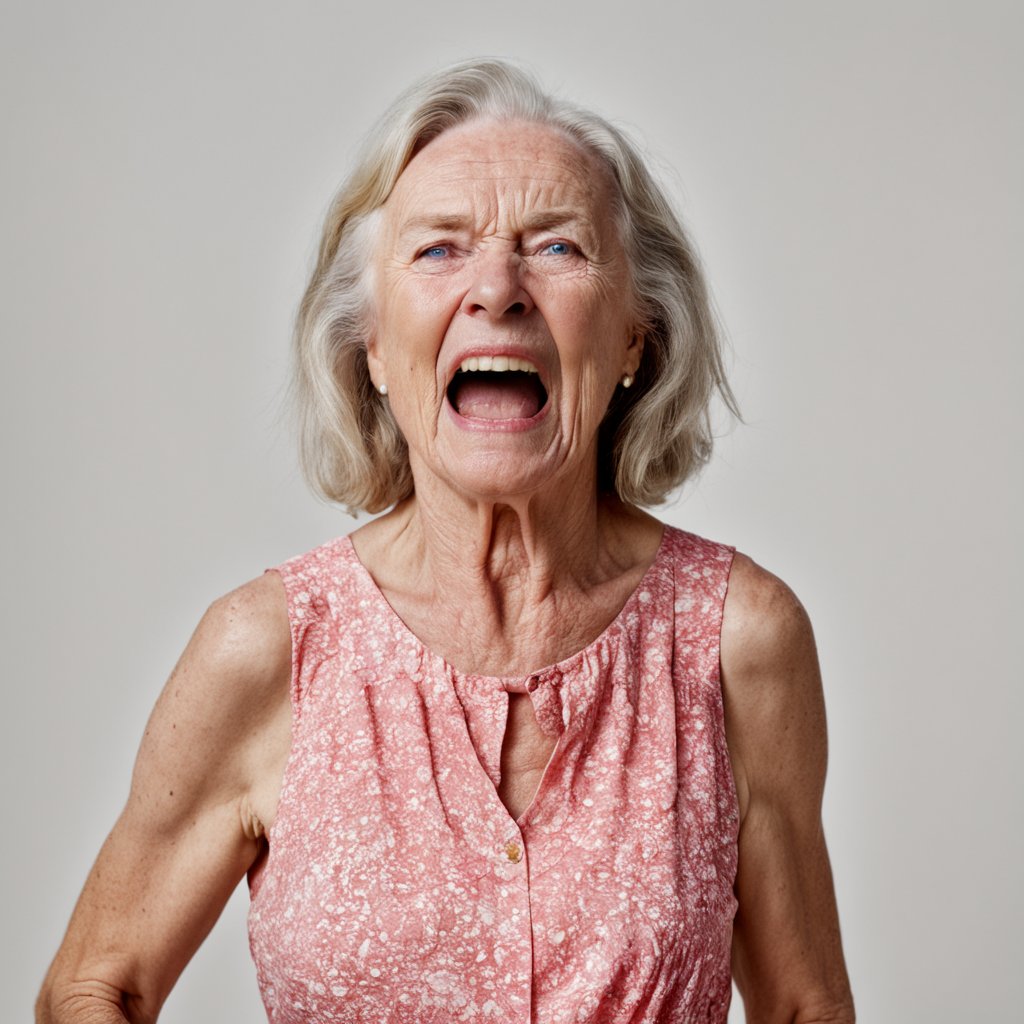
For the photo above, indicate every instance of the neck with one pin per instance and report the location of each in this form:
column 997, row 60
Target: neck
column 512, row 551
column 498, row 587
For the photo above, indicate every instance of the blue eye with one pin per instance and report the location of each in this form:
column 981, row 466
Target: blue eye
column 558, row 248
column 435, row 252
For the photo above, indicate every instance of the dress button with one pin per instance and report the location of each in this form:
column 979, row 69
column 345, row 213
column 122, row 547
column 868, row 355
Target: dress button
column 513, row 851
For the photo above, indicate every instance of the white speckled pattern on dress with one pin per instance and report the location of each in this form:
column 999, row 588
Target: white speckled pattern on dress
column 398, row 888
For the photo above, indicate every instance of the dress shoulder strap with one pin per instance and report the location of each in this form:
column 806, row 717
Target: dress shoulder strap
column 701, row 571
column 316, row 583
column 700, row 580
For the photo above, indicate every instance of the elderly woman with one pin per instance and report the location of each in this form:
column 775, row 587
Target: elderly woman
column 514, row 750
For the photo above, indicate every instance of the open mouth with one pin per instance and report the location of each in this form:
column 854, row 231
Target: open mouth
column 510, row 392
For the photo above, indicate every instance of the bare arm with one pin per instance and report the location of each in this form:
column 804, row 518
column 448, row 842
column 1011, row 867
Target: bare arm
column 215, row 742
column 787, row 955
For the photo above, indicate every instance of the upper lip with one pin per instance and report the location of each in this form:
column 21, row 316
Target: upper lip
column 512, row 351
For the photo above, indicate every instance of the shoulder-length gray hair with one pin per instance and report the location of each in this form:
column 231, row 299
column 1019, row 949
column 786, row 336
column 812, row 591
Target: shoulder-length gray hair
column 654, row 435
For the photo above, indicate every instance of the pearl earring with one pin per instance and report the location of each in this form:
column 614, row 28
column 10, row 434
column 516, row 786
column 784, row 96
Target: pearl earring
column 383, row 389
column 627, row 380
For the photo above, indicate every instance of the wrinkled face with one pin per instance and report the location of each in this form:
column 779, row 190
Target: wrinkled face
column 503, row 312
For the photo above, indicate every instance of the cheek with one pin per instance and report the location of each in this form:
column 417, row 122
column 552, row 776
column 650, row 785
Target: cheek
column 591, row 345
column 413, row 320
column 588, row 314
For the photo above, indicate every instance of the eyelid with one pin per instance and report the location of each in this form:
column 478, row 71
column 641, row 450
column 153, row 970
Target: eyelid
column 574, row 248
column 433, row 245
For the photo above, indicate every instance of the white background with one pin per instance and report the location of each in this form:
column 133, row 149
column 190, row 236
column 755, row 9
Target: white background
column 851, row 174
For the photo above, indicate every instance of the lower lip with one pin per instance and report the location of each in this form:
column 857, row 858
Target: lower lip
column 516, row 426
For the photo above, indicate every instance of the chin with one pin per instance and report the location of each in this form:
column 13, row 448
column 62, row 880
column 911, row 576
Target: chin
column 495, row 477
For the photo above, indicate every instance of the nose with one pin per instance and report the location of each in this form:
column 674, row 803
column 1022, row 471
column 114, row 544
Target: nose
column 497, row 288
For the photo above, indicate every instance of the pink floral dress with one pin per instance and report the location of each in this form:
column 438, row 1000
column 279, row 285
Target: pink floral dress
column 398, row 888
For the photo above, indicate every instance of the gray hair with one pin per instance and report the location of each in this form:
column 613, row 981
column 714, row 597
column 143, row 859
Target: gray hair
column 653, row 436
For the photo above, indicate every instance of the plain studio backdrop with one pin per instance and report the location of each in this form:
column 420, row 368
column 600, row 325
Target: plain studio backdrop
column 851, row 174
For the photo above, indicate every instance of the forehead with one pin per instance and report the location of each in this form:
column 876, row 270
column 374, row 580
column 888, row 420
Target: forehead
column 516, row 165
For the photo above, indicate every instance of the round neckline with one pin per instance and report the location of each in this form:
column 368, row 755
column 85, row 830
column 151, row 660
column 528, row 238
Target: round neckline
column 552, row 670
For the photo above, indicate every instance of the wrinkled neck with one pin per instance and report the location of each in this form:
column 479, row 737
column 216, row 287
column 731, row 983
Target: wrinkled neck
column 517, row 550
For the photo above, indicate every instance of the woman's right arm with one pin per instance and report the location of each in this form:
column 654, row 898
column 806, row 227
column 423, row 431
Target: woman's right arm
column 205, row 780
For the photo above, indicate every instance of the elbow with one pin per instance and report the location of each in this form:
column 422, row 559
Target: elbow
column 78, row 1004
column 834, row 1013
column 42, row 1007
column 46, row 1011
column 837, row 1010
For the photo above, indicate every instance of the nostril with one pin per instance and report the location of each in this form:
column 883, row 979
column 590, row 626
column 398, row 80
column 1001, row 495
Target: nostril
column 517, row 307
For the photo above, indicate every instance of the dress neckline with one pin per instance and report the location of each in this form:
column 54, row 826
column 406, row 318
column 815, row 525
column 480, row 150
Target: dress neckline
column 527, row 681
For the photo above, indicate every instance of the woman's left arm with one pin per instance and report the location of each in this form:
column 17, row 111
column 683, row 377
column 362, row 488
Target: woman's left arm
column 787, row 955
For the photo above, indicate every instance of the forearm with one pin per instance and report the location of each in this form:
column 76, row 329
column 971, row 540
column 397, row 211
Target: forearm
column 98, row 974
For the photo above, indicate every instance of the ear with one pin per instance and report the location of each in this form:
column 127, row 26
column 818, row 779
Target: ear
column 378, row 373
column 634, row 353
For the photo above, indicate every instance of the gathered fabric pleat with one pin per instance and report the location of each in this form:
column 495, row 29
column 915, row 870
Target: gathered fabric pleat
column 398, row 888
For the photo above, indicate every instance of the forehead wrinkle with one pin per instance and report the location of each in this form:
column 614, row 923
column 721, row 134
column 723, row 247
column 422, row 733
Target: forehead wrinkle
column 545, row 193
column 461, row 166
column 455, row 175
column 463, row 159
column 535, row 212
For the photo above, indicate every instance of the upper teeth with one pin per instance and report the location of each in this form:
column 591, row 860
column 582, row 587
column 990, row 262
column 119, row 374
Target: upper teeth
column 497, row 363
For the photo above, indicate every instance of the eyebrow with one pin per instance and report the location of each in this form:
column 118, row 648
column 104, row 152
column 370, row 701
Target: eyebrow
column 541, row 220
column 546, row 220
column 434, row 222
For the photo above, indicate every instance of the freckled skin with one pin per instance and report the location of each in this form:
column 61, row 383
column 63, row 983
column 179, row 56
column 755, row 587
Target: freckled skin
column 465, row 258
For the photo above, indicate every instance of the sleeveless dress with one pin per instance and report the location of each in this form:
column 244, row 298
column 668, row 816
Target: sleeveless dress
column 398, row 889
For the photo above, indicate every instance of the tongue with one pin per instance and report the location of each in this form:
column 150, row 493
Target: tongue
column 514, row 397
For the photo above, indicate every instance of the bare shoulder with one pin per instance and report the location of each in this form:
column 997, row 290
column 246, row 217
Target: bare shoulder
column 763, row 619
column 771, row 683
column 226, row 706
column 247, row 632
column 239, row 656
